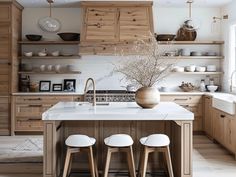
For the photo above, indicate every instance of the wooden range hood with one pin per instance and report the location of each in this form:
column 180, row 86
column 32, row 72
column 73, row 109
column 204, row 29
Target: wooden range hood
column 107, row 25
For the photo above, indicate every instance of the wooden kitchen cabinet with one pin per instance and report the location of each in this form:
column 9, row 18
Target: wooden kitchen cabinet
column 4, row 115
column 135, row 23
column 208, row 127
column 107, row 26
column 5, row 12
column 100, row 24
column 5, row 73
column 224, row 129
column 10, row 34
column 27, row 111
column 5, row 41
column 191, row 102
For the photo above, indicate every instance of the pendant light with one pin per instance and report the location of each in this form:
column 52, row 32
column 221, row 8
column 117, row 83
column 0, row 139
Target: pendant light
column 49, row 24
column 191, row 24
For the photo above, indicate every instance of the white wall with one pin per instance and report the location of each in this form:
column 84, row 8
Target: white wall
column 166, row 20
column 230, row 10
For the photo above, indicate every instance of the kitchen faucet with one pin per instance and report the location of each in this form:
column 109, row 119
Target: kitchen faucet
column 231, row 81
column 94, row 90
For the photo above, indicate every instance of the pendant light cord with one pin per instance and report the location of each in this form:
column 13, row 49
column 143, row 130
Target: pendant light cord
column 190, row 8
column 50, row 4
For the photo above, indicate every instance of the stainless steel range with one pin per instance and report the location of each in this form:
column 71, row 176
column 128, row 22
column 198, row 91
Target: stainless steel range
column 110, row 96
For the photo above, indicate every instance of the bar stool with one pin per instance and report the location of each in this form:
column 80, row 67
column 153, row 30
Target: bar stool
column 80, row 143
column 152, row 143
column 120, row 143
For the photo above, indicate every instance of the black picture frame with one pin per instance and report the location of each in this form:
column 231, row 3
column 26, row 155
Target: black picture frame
column 69, row 85
column 44, row 86
column 56, row 87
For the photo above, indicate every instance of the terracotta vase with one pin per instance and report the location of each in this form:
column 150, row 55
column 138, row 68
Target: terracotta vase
column 147, row 97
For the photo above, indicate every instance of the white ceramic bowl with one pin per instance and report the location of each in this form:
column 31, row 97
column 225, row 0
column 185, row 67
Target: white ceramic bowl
column 191, row 68
column 55, row 53
column 200, row 69
column 28, row 54
column 42, row 54
column 212, row 88
column 178, row 69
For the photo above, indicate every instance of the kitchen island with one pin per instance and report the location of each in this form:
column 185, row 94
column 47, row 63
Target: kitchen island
column 67, row 118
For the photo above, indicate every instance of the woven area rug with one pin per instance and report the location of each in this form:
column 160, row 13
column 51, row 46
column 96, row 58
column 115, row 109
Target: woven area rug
column 23, row 149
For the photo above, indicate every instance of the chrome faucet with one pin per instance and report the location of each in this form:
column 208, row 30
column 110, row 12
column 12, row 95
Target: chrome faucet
column 231, row 81
column 94, row 90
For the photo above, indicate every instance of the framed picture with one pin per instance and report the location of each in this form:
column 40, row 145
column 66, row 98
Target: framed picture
column 69, row 85
column 44, row 86
column 56, row 87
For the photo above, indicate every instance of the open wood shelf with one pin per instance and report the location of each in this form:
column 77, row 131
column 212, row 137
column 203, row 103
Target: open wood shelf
column 51, row 57
column 194, row 57
column 47, row 72
column 200, row 73
column 49, row 42
column 191, row 42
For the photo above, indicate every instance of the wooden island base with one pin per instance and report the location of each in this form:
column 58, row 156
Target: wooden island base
column 55, row 133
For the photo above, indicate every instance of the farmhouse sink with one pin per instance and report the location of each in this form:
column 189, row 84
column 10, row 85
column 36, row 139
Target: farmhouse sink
column 225, row 103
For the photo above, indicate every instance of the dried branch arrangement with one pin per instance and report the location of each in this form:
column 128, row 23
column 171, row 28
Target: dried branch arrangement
column 144, row 64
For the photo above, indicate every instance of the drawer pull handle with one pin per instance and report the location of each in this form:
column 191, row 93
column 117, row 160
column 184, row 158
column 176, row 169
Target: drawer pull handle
column 39, row 105
column 32, row 99
column 222, row 116
column 181, row 99
column 35, row 119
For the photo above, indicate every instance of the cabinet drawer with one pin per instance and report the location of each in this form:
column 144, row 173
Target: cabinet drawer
column 42, row 99
column 29, row 125
column 5, row 13
column 179, row 99
column 31, row 110
column 196, row 109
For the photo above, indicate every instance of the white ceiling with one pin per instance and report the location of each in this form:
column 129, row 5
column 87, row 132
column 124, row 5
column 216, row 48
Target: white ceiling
column 165, row 3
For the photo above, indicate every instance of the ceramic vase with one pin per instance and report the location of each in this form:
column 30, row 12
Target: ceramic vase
column 147, row 97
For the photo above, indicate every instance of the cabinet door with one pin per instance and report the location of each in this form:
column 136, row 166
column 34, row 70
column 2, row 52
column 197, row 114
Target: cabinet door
column 4, row 78
column 218, row 126
column 4, row 116
column 134, row 23
column 208, row 116
column 5, row 13
column 5, row 41
column 100, row 24
column 229, row 133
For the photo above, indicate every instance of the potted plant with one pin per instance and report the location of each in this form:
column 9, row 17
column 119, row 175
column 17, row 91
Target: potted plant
column 145, row 65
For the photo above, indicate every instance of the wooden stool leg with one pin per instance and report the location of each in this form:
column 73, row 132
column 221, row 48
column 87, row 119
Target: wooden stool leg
column 168, row 160
column 91, row 161
column 108, row 159
column 67, row 161
column 70, row 164
column 96, row 165
column 145, row 160
column 141, row 161
column 130, row 158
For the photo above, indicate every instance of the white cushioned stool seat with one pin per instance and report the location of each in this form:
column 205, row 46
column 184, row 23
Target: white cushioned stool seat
column 119, row 140
column 155, row 140
column 80, row 141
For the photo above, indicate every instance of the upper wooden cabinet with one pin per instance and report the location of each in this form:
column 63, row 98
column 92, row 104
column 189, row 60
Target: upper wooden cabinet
column 5, row 13
column 100, row 24
column 114, row 23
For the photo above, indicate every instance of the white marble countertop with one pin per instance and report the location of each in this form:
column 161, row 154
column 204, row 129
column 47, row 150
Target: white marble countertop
column 45, row 93
column 78, row 93
column 116, row 111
